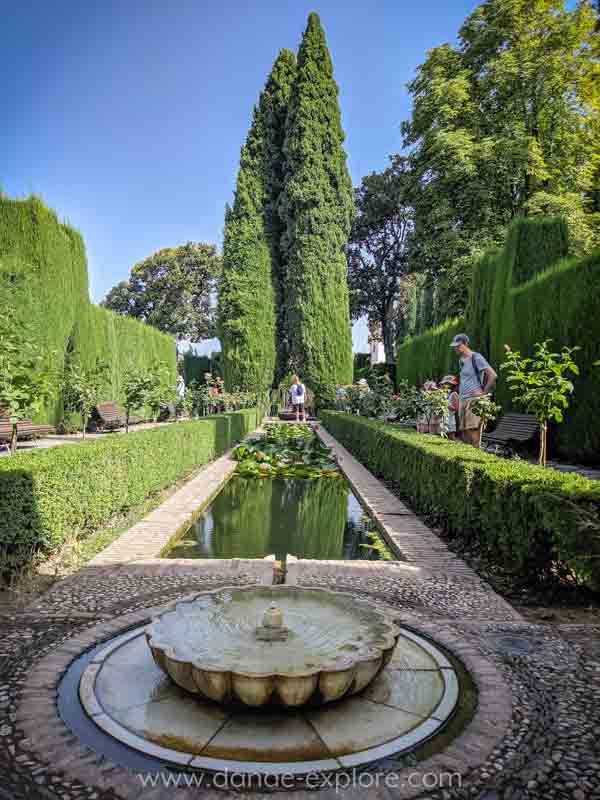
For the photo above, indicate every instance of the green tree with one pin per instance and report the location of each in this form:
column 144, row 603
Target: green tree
column 83, row 387
column 184, row 406
column 161, row 392
column 136, row 389
column 317, row 208
column 487, row 411
column 425, row 302
column 540, row 385
column 377, row 251
column 172, row 290
column 505, row 123
column 274, row 104
column 247, row 317
column 407, row 310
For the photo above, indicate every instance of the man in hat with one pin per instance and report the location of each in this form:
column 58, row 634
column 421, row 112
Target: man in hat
column 476, row 379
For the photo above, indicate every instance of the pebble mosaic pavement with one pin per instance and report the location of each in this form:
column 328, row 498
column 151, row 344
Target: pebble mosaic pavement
column 549, row 717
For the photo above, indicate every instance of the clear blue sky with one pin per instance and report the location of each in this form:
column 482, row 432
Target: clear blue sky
column 127, row 116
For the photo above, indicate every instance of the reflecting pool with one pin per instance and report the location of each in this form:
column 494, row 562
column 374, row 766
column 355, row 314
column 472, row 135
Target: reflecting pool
column 253, row 517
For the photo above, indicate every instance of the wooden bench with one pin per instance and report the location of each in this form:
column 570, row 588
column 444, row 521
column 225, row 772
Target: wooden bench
column 512, row 431
column 167, row 413
column 26, row 430
column 109, row 416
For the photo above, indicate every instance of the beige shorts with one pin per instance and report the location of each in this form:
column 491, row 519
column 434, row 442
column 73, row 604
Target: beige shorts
column 467, row 419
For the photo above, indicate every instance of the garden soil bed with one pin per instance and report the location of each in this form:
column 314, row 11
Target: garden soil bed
column 551, row 603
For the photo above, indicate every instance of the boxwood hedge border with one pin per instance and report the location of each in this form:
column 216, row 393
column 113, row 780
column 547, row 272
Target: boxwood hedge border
column 530, row 518
column 47, row 496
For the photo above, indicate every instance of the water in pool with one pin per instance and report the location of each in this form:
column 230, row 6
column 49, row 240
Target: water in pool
column 252, row 518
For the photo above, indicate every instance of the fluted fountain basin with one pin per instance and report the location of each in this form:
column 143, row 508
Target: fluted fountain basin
column 211, row 645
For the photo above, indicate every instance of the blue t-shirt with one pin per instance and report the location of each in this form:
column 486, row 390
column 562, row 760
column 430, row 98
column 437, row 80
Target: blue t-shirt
column 471, row 376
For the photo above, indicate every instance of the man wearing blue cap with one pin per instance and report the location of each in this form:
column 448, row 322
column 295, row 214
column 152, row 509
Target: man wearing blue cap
column 476, row 379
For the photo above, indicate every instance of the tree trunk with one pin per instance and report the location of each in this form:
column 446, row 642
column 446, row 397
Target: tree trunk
column 387, row 332
column 84, row 420
column 126, row 420
column 13, row 439
column 543, row 443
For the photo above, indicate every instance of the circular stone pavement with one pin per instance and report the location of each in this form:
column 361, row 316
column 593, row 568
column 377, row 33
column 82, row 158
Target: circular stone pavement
column 132, row 700
column 58, row 743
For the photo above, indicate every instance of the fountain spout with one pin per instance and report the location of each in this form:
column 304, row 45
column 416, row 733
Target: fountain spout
column 272, row 628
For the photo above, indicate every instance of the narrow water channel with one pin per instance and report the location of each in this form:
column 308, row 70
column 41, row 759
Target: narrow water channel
column 252, row 518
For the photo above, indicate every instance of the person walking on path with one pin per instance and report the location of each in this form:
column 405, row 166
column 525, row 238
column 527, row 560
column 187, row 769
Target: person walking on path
column 298, row 393
column 450, row 383
column 476, row 379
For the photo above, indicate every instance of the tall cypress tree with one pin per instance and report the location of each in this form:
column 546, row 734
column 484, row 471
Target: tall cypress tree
column 317, row 208
column 247, row 318
column 275, row 101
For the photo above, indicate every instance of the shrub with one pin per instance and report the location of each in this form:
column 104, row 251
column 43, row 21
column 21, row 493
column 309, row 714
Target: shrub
column 48, row 495
column 529, row 517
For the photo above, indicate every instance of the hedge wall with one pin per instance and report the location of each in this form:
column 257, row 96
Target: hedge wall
column 563, row 304
column 520, row 295
column 49, row 495
column 195, row 366
column 532, row 245
column 429, row 354
column 527, row 516
column 53, row 296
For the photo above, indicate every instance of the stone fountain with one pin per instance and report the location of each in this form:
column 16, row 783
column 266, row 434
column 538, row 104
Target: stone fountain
column 283, row 645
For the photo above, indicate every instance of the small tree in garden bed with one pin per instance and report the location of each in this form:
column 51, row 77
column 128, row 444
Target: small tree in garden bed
column 137, row 387
column 184, row 406
column 540, row 385
column 83, row 388
column 349, row 398
column 435, row 404
column 409, row 402
column 207, row 394
column 378, row 401
column 485, row 408
column 161, row 392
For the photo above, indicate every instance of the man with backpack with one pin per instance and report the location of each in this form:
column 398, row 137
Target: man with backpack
column 476, row 379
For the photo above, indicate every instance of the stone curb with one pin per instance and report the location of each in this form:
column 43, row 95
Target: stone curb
column 409, row 539
column 149, row 537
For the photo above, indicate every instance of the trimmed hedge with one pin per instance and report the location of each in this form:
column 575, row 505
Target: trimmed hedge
column 559, row 300
column 429, row 354
column 532, row 246
column 563, row 304
column 195, row 367
column 46, row 496
column 53, row 296
column 527, row 516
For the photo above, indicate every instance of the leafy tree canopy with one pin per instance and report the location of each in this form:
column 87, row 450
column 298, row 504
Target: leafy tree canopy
column 377, row 251
column 172, row 290
column 505, row 123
